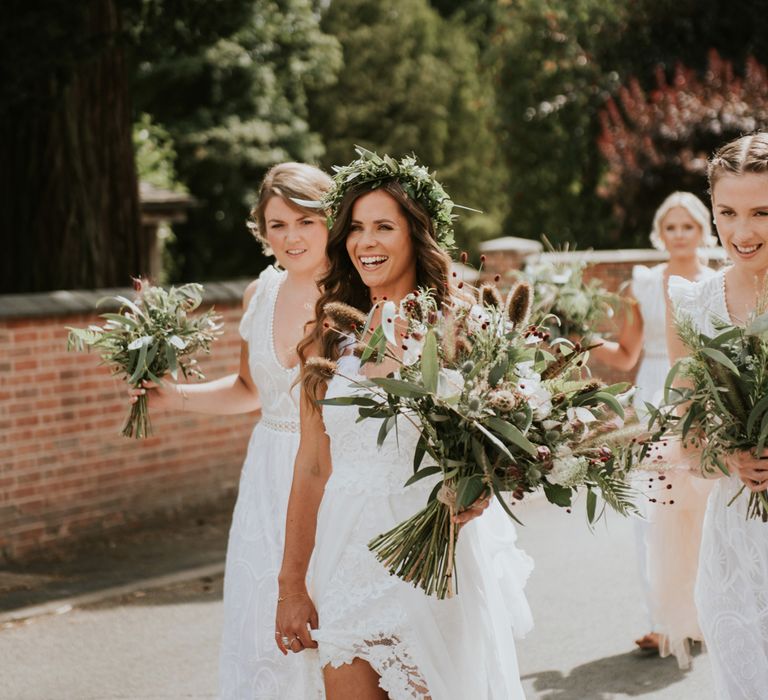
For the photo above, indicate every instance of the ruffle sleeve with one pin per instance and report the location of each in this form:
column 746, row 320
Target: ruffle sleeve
column 642, row 278
column 267, row 279
column 682, row 294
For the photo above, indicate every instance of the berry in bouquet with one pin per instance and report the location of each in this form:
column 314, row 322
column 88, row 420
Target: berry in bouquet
column 721, row 403
column 564, row 302
column 502, row 408
column 153, row 335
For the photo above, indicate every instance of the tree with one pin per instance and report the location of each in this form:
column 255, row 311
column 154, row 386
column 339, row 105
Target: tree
column 233, row 110
column 411, row 83
column 70, row 217
column 550, row 85
column 658, row 141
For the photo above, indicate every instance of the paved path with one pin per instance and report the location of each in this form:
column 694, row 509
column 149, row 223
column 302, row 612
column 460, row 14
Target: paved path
column 162, row 644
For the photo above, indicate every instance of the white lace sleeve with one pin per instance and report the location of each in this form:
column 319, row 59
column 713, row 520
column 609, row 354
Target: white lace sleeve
column 267, row 278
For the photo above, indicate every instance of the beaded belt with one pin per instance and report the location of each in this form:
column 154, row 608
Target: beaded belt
column 280, row 425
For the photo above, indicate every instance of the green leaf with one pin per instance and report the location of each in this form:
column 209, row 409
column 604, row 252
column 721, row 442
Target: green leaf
column 616, row 389
column 611, row 401
column 386, row 426
column 498, row 444
column 478, row 452
column 725, row 337
column 754, row 415
column 399, row 387
column 349, row 401
column 670, row 379
column 140, row 366
column 429, row 362
column 170, row 358
column 591, row 505
column 498, row 372
column 418, row 455
column 722, row 358
column 558, row 495
column 468, row 490
column 373, row 343
column 511, row 433
column 507, row 510
column 423, row 473
column 120, row 318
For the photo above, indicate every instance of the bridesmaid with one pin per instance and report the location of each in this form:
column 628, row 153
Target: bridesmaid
column 667, row 540
column 732, row 583
column 276, row 307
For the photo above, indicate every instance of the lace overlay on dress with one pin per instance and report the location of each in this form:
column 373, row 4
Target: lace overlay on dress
column 251, row 666
column 732, row 584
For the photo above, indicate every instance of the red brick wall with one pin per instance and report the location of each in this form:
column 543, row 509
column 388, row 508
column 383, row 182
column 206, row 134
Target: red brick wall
column 66, row 472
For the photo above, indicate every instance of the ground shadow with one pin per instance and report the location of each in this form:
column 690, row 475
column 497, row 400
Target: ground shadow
column 633, row 674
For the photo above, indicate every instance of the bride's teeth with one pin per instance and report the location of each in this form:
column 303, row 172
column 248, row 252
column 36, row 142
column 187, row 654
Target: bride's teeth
column 374, row 260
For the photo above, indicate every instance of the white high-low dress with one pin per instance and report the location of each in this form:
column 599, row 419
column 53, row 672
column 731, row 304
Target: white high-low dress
column 421, row 647
column 251, row 666
column 732, row 584
column 669, row 537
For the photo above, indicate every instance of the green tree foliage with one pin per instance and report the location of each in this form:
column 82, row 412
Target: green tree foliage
column 411, row 83
column 551, row 86
column 234, row 109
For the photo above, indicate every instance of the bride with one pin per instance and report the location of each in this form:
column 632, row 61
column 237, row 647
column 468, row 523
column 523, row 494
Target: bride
column 378, row 636
column 732, row 583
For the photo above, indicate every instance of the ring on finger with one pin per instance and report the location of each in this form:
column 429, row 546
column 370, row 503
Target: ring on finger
column 286, row 641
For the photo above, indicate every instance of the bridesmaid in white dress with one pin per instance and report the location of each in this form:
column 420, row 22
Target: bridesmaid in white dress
column 277, row 307
column 668, row 561
column 378, row 636
column 732, row 585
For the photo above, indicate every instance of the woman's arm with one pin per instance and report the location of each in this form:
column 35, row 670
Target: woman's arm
column 235, row 393
column 296, row 613
column 624, row 352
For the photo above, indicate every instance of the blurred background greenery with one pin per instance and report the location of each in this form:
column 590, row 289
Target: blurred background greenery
column 570, row 118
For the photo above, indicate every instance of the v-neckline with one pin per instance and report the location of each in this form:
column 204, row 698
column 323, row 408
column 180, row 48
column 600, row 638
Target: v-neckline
column 273, row 349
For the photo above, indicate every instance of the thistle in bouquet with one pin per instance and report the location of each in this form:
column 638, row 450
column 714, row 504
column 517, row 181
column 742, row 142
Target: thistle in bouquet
column 566, row 303
column 501, row 408
column 721, row 405
column 153, row 335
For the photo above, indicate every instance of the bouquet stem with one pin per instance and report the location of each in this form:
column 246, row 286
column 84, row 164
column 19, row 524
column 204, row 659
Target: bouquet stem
column 137, row 425
column 421, row 550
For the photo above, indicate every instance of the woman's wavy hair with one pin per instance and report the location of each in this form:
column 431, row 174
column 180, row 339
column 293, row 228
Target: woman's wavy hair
column 342, row 283
column 748, row 154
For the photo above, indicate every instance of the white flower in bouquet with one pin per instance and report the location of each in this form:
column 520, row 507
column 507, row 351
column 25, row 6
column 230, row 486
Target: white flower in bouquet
column 567, row 469
column 575, row 305
column 450, row 384
column 530, row 386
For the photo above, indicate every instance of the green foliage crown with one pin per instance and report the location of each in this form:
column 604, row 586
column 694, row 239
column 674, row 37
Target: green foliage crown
column 419, row 184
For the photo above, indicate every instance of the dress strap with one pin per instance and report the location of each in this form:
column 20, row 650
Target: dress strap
column 269, row 280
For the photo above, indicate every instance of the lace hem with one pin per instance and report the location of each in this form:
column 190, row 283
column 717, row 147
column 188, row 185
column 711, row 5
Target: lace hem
column 388, row 655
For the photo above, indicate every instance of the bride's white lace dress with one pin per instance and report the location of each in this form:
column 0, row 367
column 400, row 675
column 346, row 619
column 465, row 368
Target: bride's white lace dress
column 732, row 584
column 251, row 667
column 421, row 647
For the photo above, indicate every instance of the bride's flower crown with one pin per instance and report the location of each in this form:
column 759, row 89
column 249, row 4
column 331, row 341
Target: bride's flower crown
column 419, row 184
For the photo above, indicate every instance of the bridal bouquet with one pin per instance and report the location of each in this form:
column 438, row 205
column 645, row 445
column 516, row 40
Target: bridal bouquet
column 723, row 405
column 153, row 335
column 501, row 408
column 560, row 291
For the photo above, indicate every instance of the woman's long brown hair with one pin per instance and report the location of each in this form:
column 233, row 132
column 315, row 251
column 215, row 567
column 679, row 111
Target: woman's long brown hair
column 342, row 283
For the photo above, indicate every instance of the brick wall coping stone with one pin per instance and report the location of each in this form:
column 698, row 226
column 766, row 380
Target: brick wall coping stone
column 626, row 255
column 69, row 302
column 522, row 245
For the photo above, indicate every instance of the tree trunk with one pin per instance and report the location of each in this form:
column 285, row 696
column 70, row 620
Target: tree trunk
column 71, row 216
